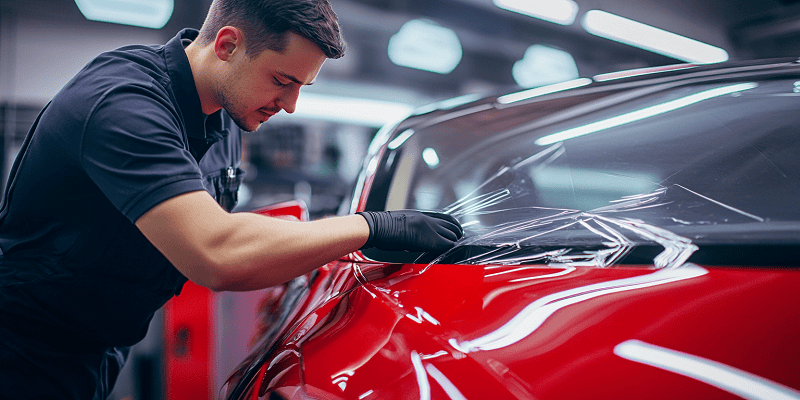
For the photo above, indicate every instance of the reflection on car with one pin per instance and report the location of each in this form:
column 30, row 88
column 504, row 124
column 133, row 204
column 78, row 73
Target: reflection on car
column 625, row 237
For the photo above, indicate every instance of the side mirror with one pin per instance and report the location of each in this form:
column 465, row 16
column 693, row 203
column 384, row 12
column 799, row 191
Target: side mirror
column 293, row 209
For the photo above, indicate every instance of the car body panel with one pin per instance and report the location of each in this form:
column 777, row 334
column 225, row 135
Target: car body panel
column 650, row 251
column 523, row 331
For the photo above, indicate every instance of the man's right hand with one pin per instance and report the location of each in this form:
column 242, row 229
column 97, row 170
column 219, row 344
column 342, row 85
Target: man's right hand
column 411, row 230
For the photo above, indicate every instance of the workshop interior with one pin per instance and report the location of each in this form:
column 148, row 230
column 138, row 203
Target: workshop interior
column 406, row 59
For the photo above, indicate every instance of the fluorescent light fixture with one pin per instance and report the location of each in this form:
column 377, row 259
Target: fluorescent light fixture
column 350, row 110
column 430, row 157
column 145, row 13
column 722, row 376
column 562, row 12
column 637, row 34
column 541, row 91
column 542, row 65
column 424, row 45
column 643, row 113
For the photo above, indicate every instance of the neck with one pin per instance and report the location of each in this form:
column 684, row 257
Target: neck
column 202, row 71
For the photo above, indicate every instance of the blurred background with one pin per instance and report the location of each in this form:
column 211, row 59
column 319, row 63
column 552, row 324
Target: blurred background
column 402, row 55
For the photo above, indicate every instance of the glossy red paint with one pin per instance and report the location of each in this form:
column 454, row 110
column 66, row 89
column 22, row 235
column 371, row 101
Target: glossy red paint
column 465, row 331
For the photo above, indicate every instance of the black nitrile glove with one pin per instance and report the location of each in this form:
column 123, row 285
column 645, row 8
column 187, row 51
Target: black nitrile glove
column 411, row 230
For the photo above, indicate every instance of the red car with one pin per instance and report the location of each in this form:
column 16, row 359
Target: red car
column 633, row 235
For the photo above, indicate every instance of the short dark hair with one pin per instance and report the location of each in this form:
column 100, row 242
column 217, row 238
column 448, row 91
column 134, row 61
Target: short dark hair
column 266, row 24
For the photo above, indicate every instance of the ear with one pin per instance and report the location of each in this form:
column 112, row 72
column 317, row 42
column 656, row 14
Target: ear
column 229, row 41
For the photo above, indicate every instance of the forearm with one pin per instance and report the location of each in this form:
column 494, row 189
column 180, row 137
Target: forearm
column 244, row 251
column 260, row 252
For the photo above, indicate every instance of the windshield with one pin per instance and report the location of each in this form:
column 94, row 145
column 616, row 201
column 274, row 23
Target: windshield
column 674, row 169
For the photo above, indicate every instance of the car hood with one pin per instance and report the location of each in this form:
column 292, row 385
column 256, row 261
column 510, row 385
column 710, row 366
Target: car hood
column 505, row 331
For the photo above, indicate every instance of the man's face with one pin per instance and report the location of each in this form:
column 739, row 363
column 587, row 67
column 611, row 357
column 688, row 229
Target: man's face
column 254, row 89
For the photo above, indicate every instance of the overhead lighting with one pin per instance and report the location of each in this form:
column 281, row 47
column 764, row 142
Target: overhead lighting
column 145, row 13
column 541, row 91
column 424, row 45
column 561, row 12
column 542, row 65
column 350, row 110
column 642, row 114
column 637, row 34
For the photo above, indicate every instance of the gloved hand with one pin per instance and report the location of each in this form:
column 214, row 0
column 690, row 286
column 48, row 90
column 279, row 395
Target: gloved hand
column 411, row 230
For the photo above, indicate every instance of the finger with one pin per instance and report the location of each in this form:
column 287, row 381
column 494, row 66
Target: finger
column 446, row 233
column 443, row 216
column 454, row 228
column 448, row 219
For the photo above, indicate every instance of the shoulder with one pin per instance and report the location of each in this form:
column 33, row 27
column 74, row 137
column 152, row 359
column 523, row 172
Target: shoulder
column 129, row 81
column 128, row 69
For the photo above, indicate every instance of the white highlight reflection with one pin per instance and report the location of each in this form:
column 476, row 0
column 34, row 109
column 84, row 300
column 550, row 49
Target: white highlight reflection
column 725, row 377
column 535, row 314
column 445, row 383
column 430, row 157
column 399, row 140
column 643, row 113
column 422, row 376
column 543, row 90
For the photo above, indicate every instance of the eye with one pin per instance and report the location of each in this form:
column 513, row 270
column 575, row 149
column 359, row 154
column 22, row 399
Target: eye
column 279, row 83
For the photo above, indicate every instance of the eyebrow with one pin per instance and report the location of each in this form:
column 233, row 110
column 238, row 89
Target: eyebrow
column 295, row 80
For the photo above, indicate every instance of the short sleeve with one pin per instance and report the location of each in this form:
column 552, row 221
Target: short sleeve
column 135, row 151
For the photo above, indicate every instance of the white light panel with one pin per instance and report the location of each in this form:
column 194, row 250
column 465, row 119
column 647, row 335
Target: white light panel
column 145, row 13
column 637, row 34
column 544, row 65
column 562, row 12
column 423, row 45
column 349, row 110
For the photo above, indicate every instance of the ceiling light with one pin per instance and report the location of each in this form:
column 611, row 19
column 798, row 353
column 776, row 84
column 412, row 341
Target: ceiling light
column 561, row 12
column 637, row 34
column 424, row 45
column 350, row 110
column 145, row 13
column 542, row 65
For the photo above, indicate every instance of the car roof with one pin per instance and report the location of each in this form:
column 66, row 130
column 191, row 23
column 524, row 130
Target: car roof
column 675, row 74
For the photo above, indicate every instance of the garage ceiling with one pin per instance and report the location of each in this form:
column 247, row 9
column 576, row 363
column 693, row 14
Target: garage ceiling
column 494, row 39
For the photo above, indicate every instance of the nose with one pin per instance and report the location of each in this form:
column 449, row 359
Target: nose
column 288, row 101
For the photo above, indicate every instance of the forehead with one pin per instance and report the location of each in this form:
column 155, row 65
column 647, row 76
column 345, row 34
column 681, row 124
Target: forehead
column 300, row 61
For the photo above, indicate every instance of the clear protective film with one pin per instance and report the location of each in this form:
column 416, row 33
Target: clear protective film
column 598, row 238
column 664, row 174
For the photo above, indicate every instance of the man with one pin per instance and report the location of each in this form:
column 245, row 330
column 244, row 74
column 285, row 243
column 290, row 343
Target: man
column 111, row 207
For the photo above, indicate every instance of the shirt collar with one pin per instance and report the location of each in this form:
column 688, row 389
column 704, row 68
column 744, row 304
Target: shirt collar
column 183, row 85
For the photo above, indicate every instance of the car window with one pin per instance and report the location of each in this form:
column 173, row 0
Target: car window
column 673, row 169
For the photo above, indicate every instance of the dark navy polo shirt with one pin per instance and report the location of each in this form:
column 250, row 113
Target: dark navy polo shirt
column 125, row 134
